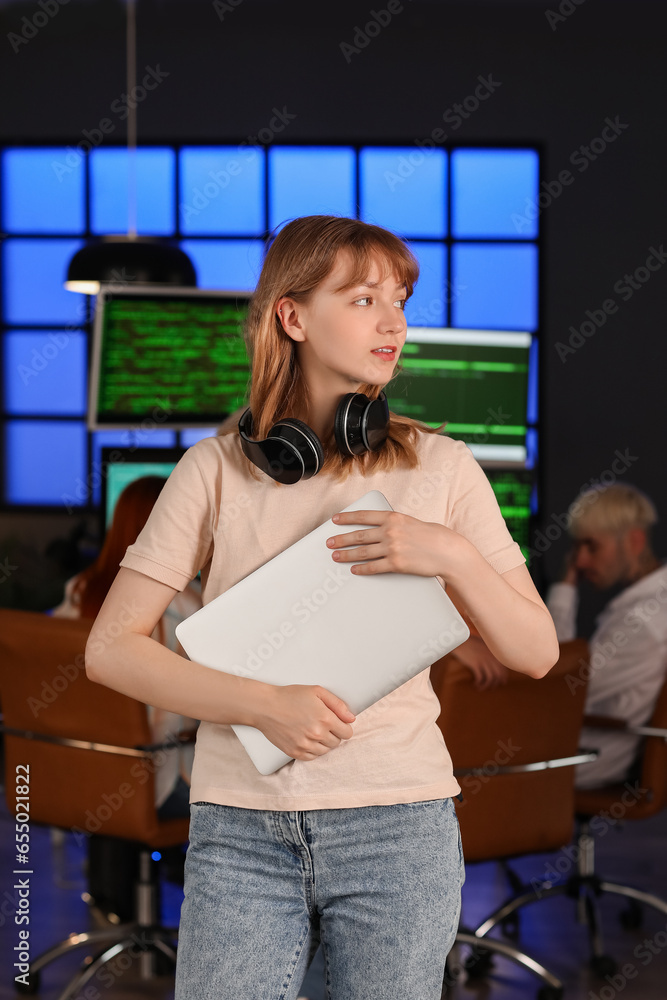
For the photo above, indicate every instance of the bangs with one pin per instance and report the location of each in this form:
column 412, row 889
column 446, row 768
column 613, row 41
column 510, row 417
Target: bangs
column 393, row 258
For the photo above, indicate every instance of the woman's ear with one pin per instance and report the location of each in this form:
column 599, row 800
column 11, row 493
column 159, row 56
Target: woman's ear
column 287, row 311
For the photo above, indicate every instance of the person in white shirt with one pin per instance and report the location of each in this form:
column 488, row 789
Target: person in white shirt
column 611, row 527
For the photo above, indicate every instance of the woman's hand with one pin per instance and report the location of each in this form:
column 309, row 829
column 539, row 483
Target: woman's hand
column 304, row 720
column 398, row 544
column 485, row 668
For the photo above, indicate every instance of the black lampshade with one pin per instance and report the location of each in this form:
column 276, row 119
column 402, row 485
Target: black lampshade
column 129, row 260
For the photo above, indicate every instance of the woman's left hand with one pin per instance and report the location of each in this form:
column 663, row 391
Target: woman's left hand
column 398, row 543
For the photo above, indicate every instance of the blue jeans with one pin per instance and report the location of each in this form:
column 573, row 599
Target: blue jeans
column 379, row 886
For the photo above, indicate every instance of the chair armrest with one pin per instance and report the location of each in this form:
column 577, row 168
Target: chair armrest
column 63, row 741
column 608, row 722
column 604, row 722
column 583, row 757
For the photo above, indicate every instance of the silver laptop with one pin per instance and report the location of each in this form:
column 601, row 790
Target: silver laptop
column 302, row 618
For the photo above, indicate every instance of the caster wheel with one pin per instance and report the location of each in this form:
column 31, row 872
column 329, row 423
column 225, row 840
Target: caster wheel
column 603, row 965
column 32, row 986
column 550, row 993
column 510, row 926
column 479, row 964
column 632, row 917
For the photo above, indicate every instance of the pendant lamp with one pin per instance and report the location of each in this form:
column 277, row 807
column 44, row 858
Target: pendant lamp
column 129, row 258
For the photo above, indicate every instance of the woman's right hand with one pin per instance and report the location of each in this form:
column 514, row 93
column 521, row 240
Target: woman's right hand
column 304, row 720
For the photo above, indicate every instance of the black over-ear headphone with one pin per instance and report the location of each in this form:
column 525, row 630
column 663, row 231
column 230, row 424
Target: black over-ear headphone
column 293, row 451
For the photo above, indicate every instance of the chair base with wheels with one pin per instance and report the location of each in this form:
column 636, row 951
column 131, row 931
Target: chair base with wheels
column 519, row 771
column 144, row 938
column 104, row 739
column 585, row 887
column 646, row 797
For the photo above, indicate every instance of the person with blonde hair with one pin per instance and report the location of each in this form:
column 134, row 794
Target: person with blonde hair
column 612, row 527
column 355, row 841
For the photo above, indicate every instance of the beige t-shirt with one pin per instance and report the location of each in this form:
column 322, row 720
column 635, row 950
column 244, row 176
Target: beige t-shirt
column 213, row 516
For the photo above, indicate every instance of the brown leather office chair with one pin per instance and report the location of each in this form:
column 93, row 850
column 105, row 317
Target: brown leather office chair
column 514, row 748
column 82, row 756
column 641, row 796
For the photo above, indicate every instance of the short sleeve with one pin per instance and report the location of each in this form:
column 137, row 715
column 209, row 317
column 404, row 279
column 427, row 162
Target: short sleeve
column 176, row 541
column 475, row 514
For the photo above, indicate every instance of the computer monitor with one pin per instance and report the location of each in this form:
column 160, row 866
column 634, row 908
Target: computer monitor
column 515, row 492
column 173, row 356
column 476, row 380
column 121, row 466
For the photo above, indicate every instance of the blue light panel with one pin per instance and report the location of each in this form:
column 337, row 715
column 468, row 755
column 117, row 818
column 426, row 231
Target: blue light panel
column 45, row 372
column 531, row 448
column 43, row 190
column 404, row 189
column 532, row 402
column 34, row 276
column 194, row 434
column 222, row 191
column 46, row 462
column 491, row 191
column 233, row 265
column 495, row 286
column 109, row 182
column 307, row 181
column 427, row 307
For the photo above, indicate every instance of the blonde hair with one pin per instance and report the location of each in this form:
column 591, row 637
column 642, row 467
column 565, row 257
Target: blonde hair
column 302, row 255
column 614, row 509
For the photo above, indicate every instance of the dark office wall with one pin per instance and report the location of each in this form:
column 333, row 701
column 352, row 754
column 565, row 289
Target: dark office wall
column 558, row 72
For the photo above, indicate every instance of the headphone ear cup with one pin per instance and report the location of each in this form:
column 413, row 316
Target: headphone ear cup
column 347, row 416
column 300, row 430
column 361, row 424
column 291, row 451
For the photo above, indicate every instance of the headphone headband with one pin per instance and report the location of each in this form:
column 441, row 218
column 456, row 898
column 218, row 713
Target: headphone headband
column 292, row 451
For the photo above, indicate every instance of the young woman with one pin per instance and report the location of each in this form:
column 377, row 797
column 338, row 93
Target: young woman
column 355, row 842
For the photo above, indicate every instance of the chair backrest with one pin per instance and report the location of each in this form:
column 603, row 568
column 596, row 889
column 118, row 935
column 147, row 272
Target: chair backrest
column 521, row 722
column 45, row 691
column 636, row 798
column 654, row 760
